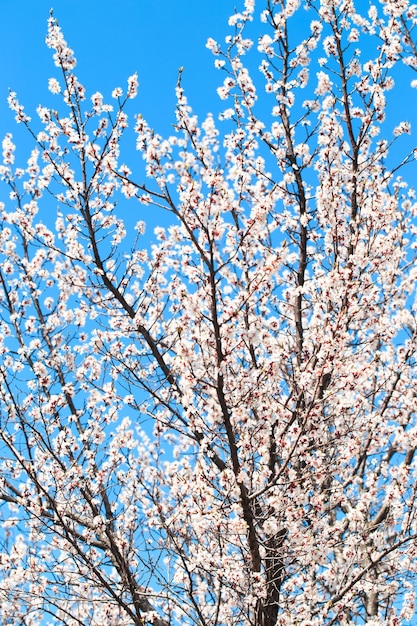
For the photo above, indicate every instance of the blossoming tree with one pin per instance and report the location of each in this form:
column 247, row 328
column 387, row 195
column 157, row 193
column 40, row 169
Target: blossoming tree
column 215, row 423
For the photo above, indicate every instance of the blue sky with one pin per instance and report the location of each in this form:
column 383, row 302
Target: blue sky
column 111, row 41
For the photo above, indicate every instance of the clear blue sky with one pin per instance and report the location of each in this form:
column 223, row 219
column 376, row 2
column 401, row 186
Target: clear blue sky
column 112, row 39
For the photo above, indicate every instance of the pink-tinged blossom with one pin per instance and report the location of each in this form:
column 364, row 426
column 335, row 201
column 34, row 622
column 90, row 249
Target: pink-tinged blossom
column 265, row 45
column 54, row 86
column 117, row 93
column 63, row 55
column 97, row 100
column 8, row 150
column 212, row 45
column 15, row 106
column 132, row 86
column 402, row 128
column 324, row 84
